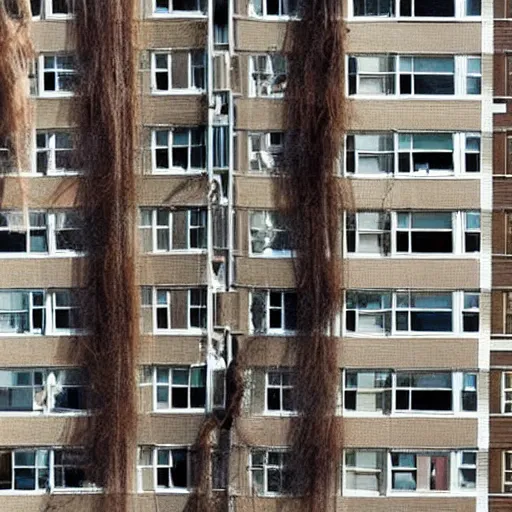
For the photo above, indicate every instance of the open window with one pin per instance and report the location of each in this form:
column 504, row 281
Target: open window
column 265, row 150
column 365, row 472
column 269, row 473
column 178, row 71
column 267, row 75
column 270, row 236
column 368, row 391
column 369, row 232
column 273, row 312
column 273, row 8
column 55, row 153
column 164, row 469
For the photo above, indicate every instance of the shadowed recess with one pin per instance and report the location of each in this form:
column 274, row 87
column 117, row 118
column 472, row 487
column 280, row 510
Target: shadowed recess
column 107, row 118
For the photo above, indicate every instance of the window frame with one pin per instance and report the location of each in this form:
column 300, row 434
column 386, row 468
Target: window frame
column 393, row 91
column 460, row 14
column 504, row 390
column 171, row 169
column 169, row 385
column 51, row 150
column 459, row 153
column 42, row 92
column 264, row 468
column 171, row 13
column 272, row 217
column 281, row 387
column 255, row 80
column 274, row 151
column 506, row 454
column 457, row 390
column 457, row 309
column 192, row 88
column 282, row 331
column 264, row 12
column 154, row 466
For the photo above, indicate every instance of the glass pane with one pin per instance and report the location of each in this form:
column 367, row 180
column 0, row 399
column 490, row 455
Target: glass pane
column 439, row 141
column 434, row 64
column 432, row 220
column 180, row 376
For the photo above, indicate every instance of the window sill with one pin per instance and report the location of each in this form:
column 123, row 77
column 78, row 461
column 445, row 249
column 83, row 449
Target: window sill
column 176, row 252
column 54, row 95
column 412, row 19
column 42, row 414
column 283, row 334
column 38, row 256
column 280, row 256
column 403, row 335
column 413, row 176
column 415, row 97
column 178, row 332
column 59, row 17
column 280, row 414
column 177, row 412
column 179, row 92
column 273, row 18
column 166, row 491
column 413, row 415
column 179, row 14
column 178, row 172
column 415, row 256
column 272, row 98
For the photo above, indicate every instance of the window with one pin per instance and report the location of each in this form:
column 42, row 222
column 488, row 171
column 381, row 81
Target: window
column 52, row 8
column 54, row 153
column 180, row 388
column 268, row 472
column 45, row 391
column 368, row 391
column 68, row 232
column 273, row 312
column 365, row 472
column 178, row 71
column 416, row 8
column 164, row 230
column 179, row 150
column 179, row 7
column 22, row 312
column 386, row 392
column 58, row 76
column 66, row 311
column 424, row 232
column 7, row 164
column 45, row 233
column 164, row 469
column 267, row 76
column 168, row 311
column 412, row 154
column 38, row 312
column 404, row 233
column 507, row 392
column 273, row 7
column 369, row 232
column 197, row 228
column 410, row 312
column 44, row 470
column 269, row 235
column 18, row 237
column 265, row 150
column 197, row 311
column 507, row 472
column 414, row 75
column 279, row 393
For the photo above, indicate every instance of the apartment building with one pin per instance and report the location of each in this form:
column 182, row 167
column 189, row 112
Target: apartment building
column 422, row 357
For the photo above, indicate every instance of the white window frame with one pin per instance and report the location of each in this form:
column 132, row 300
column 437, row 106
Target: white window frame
column 264, row 11
column 459, row 11
column 171, row 13
column 191, row 88
column 201, row 306
column 268, row 153
column 155, row 466
column 49, row 14
column 155, row 228
column 457, row 310
column 74, row 301
column 458, row 388
column 454, row 463
column 192, row 331
column 364, row 471
column 169, row 385
column 51, row 149
column 271, row 231
column 51, row 230
column 459, row 76
column 282, row 331
column 41, row 71
column 459, row 157
column 264, row 468
column 504, row 391
column 170, row 145
column 50, row 467
column 506, row 482
column 203, row 226
column 281, row 387
column 255, row 91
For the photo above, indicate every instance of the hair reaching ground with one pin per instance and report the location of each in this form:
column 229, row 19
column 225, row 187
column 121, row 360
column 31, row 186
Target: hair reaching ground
column 16, row 53
column 107, row 119
column 316, row 117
